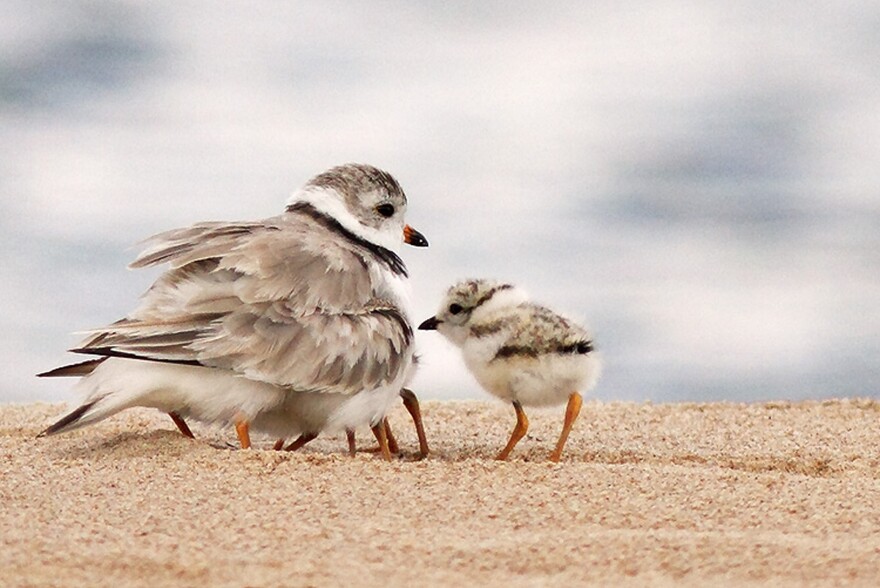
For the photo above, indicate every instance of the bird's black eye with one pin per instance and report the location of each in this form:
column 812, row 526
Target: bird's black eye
column 385, row 210
column 455, row 308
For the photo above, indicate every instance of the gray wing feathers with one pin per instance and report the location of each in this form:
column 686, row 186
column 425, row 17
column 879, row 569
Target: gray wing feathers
column 283, row 258
column 166, row 341
column 288, row 307
column 303, row 266
column 200, row 241
column 319, row 352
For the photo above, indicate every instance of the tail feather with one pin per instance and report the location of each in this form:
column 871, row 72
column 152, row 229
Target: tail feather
column 68, row 422
column 73, row 370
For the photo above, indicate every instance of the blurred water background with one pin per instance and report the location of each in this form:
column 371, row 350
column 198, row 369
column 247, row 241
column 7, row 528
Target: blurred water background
column 697, row 181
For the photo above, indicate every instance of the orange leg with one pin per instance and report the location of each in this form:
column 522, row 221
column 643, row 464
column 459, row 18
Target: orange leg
column 380, row 433
column 352, row 443
column 393, row 447
column 412, row 405
column 519, row 431
column 571, row 413
column 242, row 429
column 279, row 445
column 301, row 440
column 181, row 425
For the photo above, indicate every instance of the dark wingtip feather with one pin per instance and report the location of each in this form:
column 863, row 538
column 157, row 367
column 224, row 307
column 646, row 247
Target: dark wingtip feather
column 111, row 352
column 75, row 369
column 66, row 421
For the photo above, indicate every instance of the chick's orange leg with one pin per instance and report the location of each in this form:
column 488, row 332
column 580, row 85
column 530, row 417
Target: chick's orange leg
column 412, row 406
column 571, row 414
column 242, row 429
column 380, row 432
column 352, row 442
column 181, row 425
column 519, row 431
column 301, row 440
column 393, row 447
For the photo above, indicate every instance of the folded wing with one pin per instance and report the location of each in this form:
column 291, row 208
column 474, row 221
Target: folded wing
column 274, row 301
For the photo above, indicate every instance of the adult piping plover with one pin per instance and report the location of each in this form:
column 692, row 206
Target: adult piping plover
column 307, row 308
column 519, row 351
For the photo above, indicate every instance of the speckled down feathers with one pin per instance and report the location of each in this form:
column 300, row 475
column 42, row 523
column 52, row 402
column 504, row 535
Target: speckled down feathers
column 517, row 350
column 533, row 330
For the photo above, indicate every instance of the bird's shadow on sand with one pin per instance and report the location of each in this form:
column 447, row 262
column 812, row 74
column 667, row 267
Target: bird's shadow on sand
column 127, row 444
column 169, row 444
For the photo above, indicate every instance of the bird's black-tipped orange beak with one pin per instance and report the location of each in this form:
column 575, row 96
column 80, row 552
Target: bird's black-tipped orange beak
column 430, row 324
column 413, row 237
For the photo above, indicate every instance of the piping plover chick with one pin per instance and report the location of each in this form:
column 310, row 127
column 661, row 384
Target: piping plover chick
column 519, row 351
column 308, row 306
column 411, row 403
column 307, row 421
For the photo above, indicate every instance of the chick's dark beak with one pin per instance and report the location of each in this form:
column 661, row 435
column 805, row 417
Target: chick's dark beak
column 413, row 237
column 430, row 324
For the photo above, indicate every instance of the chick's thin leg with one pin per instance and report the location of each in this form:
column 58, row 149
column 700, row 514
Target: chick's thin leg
column 571, row 414
column 181, row 425
column 393, row 447
column 301, row 440
column 380, row 432
column 352, row 442
column 519, row 431
column 242, row 429
column 412, row 405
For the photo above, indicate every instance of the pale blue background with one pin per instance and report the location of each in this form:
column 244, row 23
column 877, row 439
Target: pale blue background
column 697, row 181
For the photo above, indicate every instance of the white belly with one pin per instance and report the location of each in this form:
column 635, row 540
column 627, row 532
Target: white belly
column 543, row 381
column 206, row 394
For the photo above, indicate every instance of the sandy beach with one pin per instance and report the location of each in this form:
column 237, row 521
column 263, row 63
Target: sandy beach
column 674, row 494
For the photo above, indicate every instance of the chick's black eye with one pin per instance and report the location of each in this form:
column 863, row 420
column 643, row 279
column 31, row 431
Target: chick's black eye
column 455, row 308
column 385, row 210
